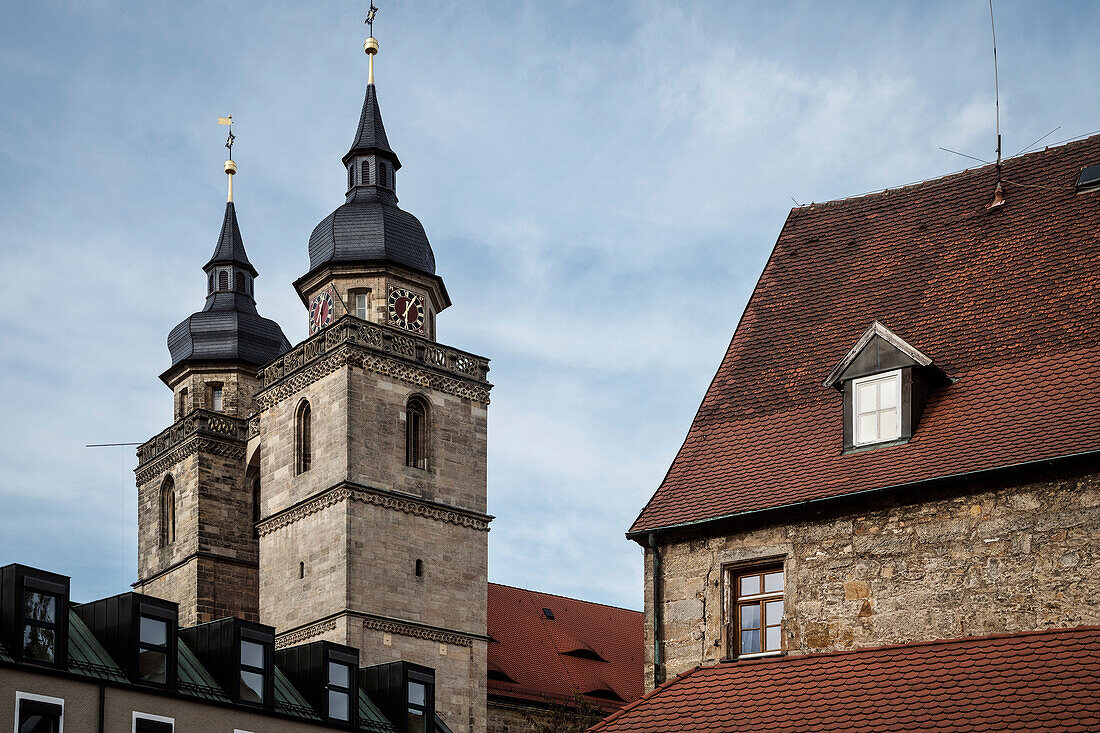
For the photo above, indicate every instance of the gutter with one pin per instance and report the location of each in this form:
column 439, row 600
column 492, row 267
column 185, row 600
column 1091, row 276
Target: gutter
column 637, row 535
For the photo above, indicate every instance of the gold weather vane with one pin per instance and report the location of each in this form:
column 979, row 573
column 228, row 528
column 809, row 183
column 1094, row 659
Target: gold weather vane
column 370, row 46
column 230, row 166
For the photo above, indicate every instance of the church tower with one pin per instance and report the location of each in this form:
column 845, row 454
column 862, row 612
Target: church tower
column 373, row 529
column 197, row 542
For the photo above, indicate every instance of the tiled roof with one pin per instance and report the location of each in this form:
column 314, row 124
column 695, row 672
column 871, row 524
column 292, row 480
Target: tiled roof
column 1005, row 301
column 589, row 648
column 1035, row 681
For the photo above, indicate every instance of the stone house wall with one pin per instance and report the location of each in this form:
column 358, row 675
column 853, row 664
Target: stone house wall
column 999, row 556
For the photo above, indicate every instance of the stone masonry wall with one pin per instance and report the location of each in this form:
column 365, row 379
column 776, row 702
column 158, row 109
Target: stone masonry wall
column 956, row 562
column 457, row 441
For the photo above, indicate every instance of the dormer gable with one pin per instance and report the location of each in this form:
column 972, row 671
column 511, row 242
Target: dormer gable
column 885, row 382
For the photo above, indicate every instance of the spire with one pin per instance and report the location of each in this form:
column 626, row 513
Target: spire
column 230, row 247
column 370, row 137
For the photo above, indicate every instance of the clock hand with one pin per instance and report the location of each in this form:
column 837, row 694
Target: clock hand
column 407, row 309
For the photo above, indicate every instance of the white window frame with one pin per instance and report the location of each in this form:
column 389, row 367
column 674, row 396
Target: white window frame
column 20, row 696
column 217, row 399
column 366, row 305
column 149, row 716
column 896, row 376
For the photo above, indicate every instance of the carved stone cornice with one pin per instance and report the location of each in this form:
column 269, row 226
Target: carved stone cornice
column 306, row 632
column 392, row 626
column 378, row 497
column 197, row 422
column 378, row 623
column 195, row 444
column 381, row 349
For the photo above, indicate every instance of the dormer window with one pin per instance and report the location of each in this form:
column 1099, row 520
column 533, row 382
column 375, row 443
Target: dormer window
column 34, row 609
column 885, row 382
column 877, row 408
column 253, row 671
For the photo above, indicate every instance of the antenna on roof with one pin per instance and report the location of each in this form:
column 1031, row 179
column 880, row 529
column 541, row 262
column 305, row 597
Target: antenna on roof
column 998, row 193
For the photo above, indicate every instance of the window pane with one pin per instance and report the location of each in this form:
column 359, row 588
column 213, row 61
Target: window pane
column 773, row 613
column 888, row 425
column 866, row 397
column 416, row 721
column 252, row 687
column 867, row 428
column 773, row 582
column 153, row 631
column 252, row 654
column 39, row 643
column 750, row 642
column 337, row 705
column 417, row 694
column 361, row 306
column 338, row 675
column 37, row 717
column 750, row 585
column 217, row 400
column 771, row 641
column 750, row 616
column 39, row 607
column 152, row 666
column 888, row 393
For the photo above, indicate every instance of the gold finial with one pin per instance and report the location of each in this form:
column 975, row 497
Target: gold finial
column 230, row 166
column 370, row 46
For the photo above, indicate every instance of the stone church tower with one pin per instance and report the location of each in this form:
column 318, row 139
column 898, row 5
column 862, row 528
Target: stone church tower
column 197, row 543
column 335, row 490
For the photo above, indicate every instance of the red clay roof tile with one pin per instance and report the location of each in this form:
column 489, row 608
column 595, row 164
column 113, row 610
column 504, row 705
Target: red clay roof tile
column 1007, row 303
column 535, row 652
column 941, row 687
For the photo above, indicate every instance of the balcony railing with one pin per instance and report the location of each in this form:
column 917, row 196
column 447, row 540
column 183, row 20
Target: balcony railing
column 373, row 337
column 197, row 422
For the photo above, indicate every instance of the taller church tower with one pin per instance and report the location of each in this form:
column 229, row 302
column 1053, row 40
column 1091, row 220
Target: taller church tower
column 373, row 529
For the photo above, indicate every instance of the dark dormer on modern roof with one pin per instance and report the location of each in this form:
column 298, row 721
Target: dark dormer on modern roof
column 885, row 382
column 228, row 328
column 369, row 227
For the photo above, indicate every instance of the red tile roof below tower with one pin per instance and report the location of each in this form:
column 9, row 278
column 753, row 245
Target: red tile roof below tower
column 588, row 648
column 1041, row 681
column 1005, row 301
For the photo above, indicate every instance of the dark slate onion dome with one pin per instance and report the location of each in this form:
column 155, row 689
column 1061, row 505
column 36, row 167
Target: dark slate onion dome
column 228, row 328
column 369, row 227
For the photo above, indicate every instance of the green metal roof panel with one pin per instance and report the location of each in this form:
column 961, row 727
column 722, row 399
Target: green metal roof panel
column 371, row 718
column 288, row 700
column 194, row 679
column 440, row 726
column 87, row 656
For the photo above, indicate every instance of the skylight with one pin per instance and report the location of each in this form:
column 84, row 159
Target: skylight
column 1089, row 177
column 548, row 614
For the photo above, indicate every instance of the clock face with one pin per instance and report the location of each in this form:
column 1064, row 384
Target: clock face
column 320, row 312
column 406, row 310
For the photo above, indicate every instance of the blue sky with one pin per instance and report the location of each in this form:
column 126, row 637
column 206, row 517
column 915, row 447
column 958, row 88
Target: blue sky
column 601, row 182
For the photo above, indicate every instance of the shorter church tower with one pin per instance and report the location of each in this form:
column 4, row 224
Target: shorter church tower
column 197, row 543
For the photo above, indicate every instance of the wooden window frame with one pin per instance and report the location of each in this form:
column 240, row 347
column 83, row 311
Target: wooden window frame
column 733, row 602
column 896, row 377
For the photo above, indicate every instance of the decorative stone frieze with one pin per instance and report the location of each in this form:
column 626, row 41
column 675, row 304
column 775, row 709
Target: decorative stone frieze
column 390, row 626
column 382, row 349
column 195, row 445
column 306, row 632
column 377, row 497
column 197, row 422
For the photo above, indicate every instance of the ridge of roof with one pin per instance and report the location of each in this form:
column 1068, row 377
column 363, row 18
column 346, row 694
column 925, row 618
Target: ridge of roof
column 567, row 598
column 909, row 187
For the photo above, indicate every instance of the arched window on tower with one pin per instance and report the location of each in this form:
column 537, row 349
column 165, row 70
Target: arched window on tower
column 223, row 280
column 364, row 172
column 304, row 438
column 351, row 176
column 383, row 174
column 210, row 284
column 238, row 283
column 416, row 433
column 167, row 512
